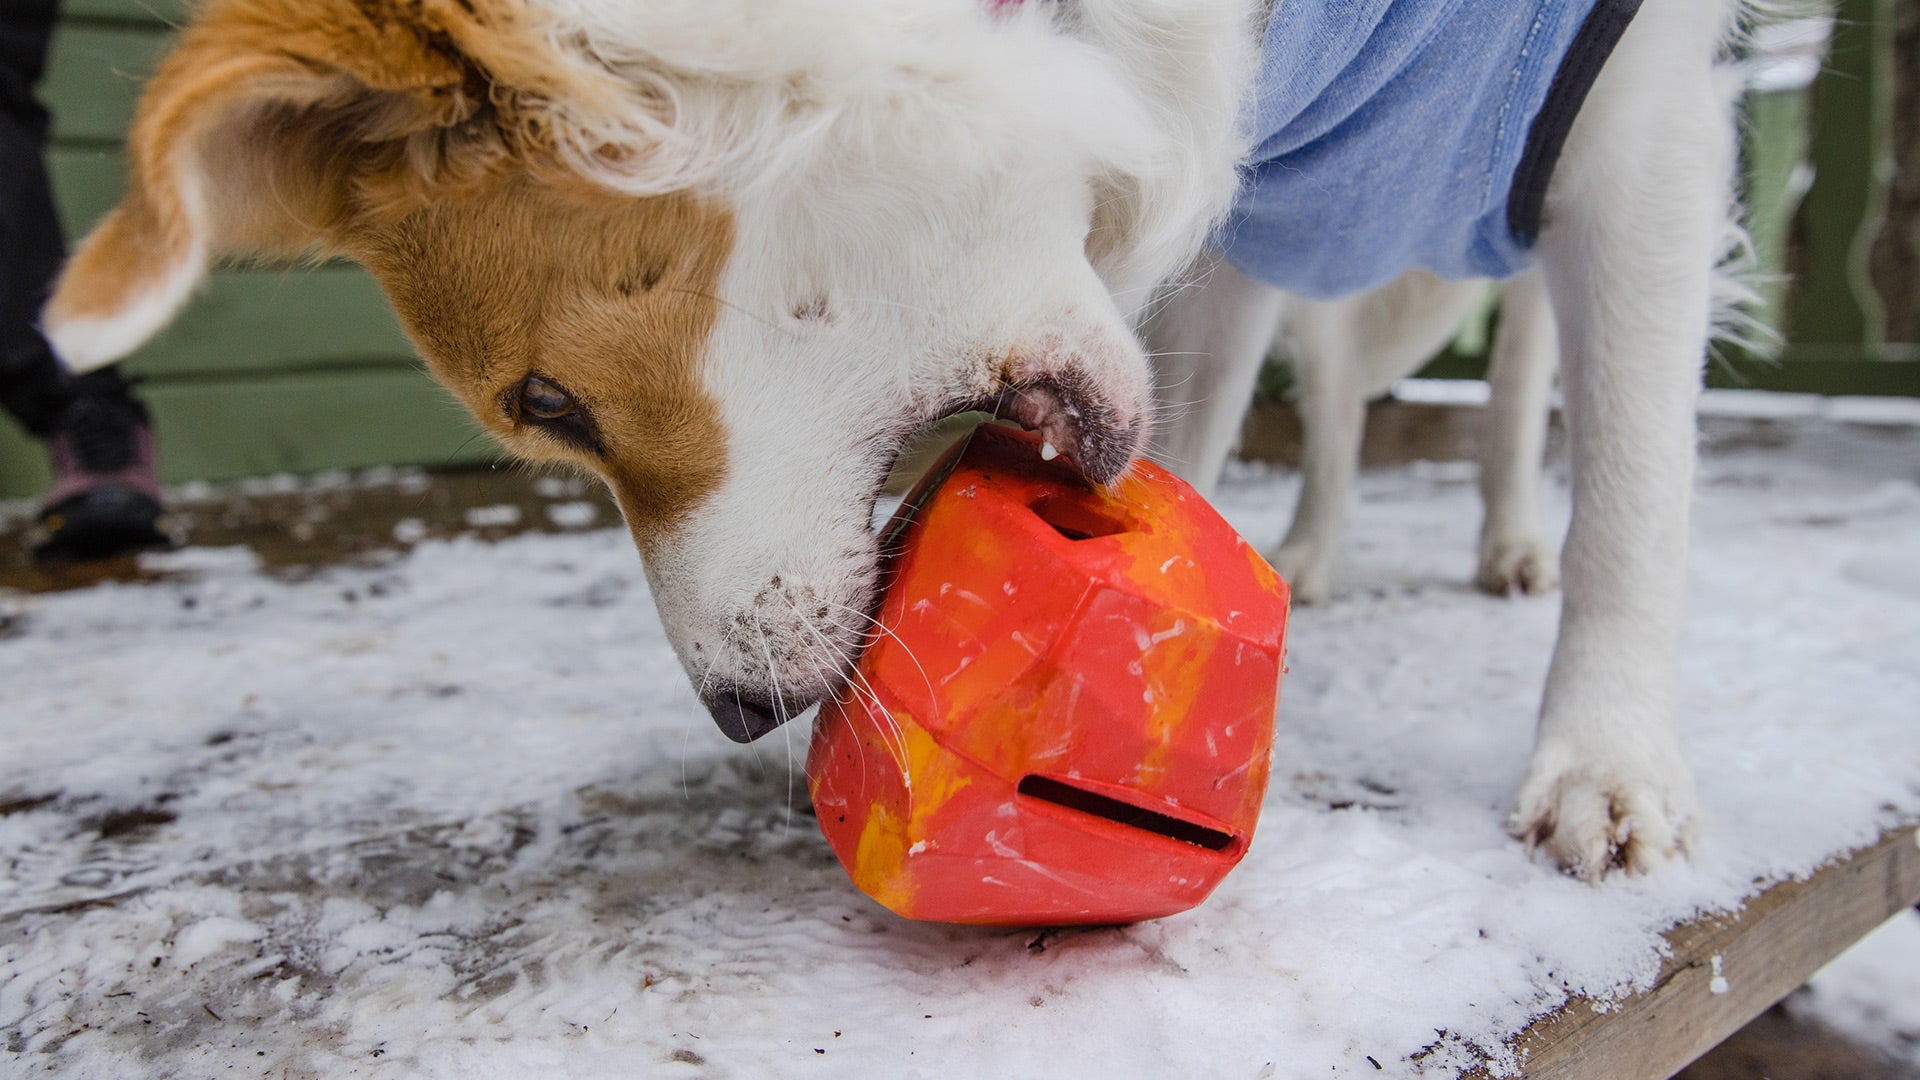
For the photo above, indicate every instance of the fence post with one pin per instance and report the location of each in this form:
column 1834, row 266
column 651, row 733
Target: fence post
column 1835, row 303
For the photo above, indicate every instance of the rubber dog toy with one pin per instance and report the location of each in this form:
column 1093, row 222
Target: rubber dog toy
column 1068, row 715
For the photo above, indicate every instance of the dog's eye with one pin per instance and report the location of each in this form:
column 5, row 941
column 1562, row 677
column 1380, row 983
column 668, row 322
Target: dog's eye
column 541, row 400
column 541, row 403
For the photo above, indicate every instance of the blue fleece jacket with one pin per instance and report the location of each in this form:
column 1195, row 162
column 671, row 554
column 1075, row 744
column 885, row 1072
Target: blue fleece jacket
column 1400, row 134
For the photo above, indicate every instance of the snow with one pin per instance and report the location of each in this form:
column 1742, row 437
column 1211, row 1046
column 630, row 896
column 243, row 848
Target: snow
column 394, row 824
column 502, row 516
column 577, row 514
column 1714, row 404
column 1872, row 992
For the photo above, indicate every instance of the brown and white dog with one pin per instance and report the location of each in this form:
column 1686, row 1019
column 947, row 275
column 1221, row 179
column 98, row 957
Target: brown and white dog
column 730, row 254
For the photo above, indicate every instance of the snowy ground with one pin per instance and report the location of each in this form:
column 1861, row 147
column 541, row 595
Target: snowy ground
column 458, row 815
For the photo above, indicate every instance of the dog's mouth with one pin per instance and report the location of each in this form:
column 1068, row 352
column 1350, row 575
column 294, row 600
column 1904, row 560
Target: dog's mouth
column 1075, row 420
column 1076, row 423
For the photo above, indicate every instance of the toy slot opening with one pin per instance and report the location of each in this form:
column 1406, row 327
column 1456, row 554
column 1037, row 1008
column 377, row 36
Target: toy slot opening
column 1074, row 520
column 1047, row 789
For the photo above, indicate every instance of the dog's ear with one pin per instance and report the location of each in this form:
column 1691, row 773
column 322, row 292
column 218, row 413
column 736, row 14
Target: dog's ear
column 273, row 128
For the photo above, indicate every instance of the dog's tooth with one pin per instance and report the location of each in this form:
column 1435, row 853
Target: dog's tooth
column 1047, row 452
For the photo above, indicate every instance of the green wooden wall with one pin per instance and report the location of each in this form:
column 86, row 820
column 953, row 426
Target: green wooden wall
column 294, row 370
column 1834, row 339
column 270, row 369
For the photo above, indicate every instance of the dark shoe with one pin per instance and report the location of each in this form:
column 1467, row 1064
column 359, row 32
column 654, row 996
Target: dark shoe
column 105, row 498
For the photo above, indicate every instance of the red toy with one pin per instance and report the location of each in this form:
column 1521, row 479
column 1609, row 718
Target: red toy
column 1069, row 714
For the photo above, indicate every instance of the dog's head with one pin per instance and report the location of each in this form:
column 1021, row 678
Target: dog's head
column 728, row 256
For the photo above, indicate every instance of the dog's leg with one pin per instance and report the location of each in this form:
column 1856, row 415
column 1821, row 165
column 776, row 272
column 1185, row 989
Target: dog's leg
column 1513, row 553
column 1635, row 216
column 1208, row 341
column 1346, row 352
column 1324, row 347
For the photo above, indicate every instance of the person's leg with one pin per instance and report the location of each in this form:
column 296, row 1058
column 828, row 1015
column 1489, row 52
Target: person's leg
column 33, row 387
column 105, row 494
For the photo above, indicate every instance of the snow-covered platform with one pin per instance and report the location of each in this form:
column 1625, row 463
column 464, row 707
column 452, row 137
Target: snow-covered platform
column 455, row 813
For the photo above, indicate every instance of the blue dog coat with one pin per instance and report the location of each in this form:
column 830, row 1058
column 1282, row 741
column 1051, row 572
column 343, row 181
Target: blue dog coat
column 1392, row 135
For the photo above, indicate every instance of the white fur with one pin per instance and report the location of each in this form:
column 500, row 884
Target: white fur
column 1514, row 555
column 1637, row 217
column 1344, row 353
column 731, row 94
column 90, row 343
column 924, row 193
column 933, row 202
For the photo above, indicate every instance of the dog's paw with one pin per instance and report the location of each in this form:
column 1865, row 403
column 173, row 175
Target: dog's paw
column 1307, row 572
column 1594, row 813
column 1526, row 564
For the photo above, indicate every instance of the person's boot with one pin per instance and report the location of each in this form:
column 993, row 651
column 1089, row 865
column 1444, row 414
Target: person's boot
column 105, row 498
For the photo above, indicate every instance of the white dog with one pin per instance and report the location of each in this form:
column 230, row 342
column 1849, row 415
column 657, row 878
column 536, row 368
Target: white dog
column 730, row 254
column 1344, row 353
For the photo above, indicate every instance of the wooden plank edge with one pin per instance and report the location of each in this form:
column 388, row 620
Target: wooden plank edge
column 1725, row 969
column 1887, row 371
column 139, row 12
column 1882, row 371
column 226, row 428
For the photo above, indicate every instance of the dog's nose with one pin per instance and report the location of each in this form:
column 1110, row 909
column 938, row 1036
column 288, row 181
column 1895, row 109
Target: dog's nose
column 742, row 717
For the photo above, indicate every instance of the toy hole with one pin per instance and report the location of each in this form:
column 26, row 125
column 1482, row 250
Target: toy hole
column 1047, row 789
column 1074, row 520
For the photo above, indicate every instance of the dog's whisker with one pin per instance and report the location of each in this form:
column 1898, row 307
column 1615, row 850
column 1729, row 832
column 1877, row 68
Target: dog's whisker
column 699, row 696
column 864, row 637
column 916, row 309
column 904, row 646
column 889, row 728
column 864, row 693
column 867, row 696
column 731, row 306
column 780, row 710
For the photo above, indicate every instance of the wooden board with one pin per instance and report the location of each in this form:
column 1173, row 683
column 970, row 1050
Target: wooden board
column 222, row 428
column 267, row 370
column 246, row 318
column 87, row 182
column 156, row 12
column 94, row 73
column 1835, row 301
column 1726, row 970
column 1882, row 370
column 1885, row 370
column 294, row 320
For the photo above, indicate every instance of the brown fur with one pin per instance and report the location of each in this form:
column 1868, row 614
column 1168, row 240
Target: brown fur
column 415, row 137
column 610, row 297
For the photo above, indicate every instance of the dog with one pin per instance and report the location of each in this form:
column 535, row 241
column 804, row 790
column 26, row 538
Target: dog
column 729, row 256
column 1344, row 353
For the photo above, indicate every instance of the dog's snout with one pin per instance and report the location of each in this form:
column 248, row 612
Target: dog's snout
column 743, row 717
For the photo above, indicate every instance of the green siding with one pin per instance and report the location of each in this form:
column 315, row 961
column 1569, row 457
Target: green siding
column 233, row 426
column 93, row 78
column 262, row 321
column 268, row 369
column 304, row 369
column 87, row 182
column 1836, row 302
column 154, row 12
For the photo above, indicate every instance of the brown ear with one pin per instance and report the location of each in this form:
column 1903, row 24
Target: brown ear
column 269, row 129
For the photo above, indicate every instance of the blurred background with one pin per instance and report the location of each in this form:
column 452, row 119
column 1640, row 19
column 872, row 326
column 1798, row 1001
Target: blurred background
column 277, row 370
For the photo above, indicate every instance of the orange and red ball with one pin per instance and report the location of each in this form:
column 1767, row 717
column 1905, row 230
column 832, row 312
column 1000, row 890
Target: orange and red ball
column 1069, row 713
